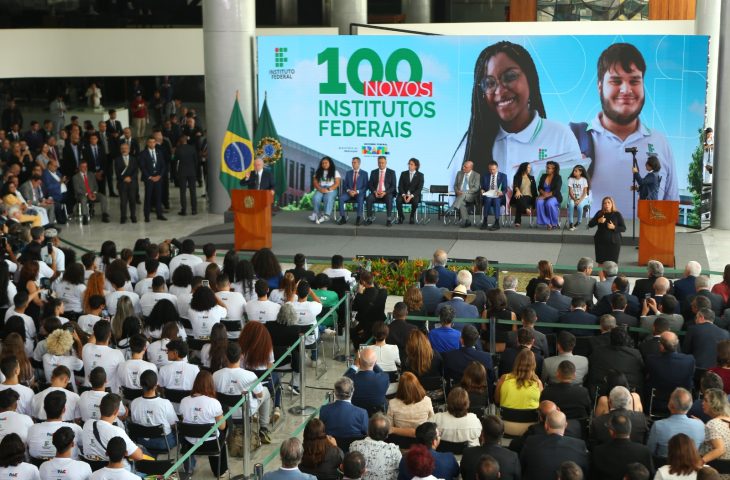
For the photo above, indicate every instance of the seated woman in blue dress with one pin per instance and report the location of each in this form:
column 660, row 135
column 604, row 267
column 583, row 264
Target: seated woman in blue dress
column 550, row 198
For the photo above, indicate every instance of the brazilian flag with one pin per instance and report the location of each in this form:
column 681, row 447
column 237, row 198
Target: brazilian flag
column 236, row 152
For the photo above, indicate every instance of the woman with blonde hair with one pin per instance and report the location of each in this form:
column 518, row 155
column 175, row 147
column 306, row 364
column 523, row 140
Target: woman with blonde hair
column 410, row 407
column 94, row 286
column 423, row 361
column 457, row 424
column 717, row 430
column 125, row 309
column 60, row 344
column 519, row 390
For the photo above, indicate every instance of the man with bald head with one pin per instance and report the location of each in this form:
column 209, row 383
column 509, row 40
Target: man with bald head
column 620, row 400
column 446, row 278
column 678, row 422
column 466, row 189
column 543, row 454
column 610, row 460
column 370, row 381
column 572, row 429
column 668, row 371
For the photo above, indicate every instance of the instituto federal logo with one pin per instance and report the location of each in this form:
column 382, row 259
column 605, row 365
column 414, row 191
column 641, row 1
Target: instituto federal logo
column 279, row 57
column 280, row 61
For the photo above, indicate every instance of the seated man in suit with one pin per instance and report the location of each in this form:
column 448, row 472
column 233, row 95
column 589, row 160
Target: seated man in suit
column 446, row 278
column 581, row 283
column 542, row 455
column 524, row 339
column 493, row 191
column 619, row 401
column 456, row 361
column 341, row 418
column 610, row 460
column 685, row 287
column 54, row 187
column 460, row 301
column 259, row 178
column 480, row 280
column 445, row 464
column 466, row 189
column 557, row 300
column 515, row 301
column 642, row 286
column 668, row 370
column 618, row 310
column 617, row 356
column 651, row 344
column 579, row 316
column 410, row 185
column 702, row 339
column 291, row 453
column 431, row 293
column 32, row 192
column 369, row 303
column 651, row 311
column 702, row 288
column 492, row 432
column 608, row 273
column 370, row 381
column 545, row 313
column 87, row 191
column 572, row 399
column 354, row 188
column 573, row 429
column 381, row 184
column 566, row 344
column 620, row 285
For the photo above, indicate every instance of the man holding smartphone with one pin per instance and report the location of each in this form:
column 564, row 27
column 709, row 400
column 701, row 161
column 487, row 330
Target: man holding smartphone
column 50, row 242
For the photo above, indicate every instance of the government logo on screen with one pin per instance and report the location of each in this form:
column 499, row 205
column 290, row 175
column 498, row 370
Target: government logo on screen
column 280, row 61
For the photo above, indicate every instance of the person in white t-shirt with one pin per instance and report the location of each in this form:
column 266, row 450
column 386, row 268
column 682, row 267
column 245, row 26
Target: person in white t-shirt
column 88, row 260
column 10, row 368
column 184, row 299
column 97, row 433
column 178, row 374
column 86, row 322
column 151, row 410
column 209, row 252
column 205, row 311
column 186, row 256
column 59, row 381
column 234, row 380
column 10, row 420
column 62, row 466
column 118, row 281
column 21, row 301
column 71, row 289
column 90, row 400
column 62, row 346
column 145, row 284
column 116, row 449
column 157, row 351
column 12, row 454
column 130, row 371
column 153, row 251
column 158, row 292
column 338, row 270
column 262, row 309
column 201, row 407
column 307, row 310
column 326, row 181
column 180, row 282
column 578, row 194
column 128, row 255
column 234, row 302
column 245, row 279
column 98, row 353
column 40, row 444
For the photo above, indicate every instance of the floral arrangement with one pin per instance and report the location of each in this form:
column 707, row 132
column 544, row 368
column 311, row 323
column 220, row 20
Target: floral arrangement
column 269, row 149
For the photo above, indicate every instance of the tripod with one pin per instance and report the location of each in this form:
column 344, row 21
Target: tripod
column 633, row 188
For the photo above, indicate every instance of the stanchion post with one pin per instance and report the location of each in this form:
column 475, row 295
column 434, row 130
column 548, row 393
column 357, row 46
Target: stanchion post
column 348, row 314
column 492, row 335
column 302, row 408
column 258, row 471
column 246, row 416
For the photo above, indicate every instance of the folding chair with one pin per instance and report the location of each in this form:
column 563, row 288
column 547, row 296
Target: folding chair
column 137, row 432
column 212, row 448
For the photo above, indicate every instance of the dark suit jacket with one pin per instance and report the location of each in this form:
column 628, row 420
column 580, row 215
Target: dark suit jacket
column 405, row 185
column 516, row 182
column 114, row 126
column 609, row 461
column 187, row 160
column 599, row 430
column 95, row 164
column 559, row 302
column 370, row 387
column 716, row 303
column 604, row 306
column 501, row 182
column 133, row 145
column 701, row 342
column 432, row 296
column 389, row 184
column 541, row 343
column 267, row 181
column 145, row 164
column 456, row 361
column 579, row 285
column 573, row 430
column 480, row 281
column 667, row 371
column 398, row 331
column 344, row 420
column 623, row 318
column 508, row 356
column 69, row 164
column 579, row 317
column 52, row 188
column 648, row 186
column 684, row 288
column 642, row 286
column 362, row 182
column 131, row 171
column 447, row 278
column 624, row 359
column 545, row 314
column 650, row 346
column 516, row 301
column 509, row 462
column 572, row 400
column 370, row 307
column 542, row 455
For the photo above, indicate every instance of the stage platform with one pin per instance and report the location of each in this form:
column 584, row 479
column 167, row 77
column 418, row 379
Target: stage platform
column 293, row 233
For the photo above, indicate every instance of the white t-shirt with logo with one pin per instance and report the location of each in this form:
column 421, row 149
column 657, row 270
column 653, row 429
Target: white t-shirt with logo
column 112, row 298
column 143, row 286
column 151, row 412
column 157, row 352
column 149, row 300
column 199, row 269
column 40, row 439
column 71, row 295
column 178, row 375
column 86, row 323
column 21, row 471
column 25, row 402
column 131, row 370
column 307, row 312
column 89, row 402
column 200, row 410
column 183, row 304
column 51, row 361
column 72, row 404
column 106, row 431
column 235, row 381
column 162, row 271
column 235, row 304
column 14, row 422
column 107, row 473
column 64, row 469
column 262, row 311
column 184, row 259
column 203, row 322
column 30, row 330
column 105, row 357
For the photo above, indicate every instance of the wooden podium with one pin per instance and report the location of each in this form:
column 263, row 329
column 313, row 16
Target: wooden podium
column 656, row 235
column 252, row 219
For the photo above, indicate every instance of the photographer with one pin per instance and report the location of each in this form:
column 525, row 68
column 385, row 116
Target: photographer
column 648, row 187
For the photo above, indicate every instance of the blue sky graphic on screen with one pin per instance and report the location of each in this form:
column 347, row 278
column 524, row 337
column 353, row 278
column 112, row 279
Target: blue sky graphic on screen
column 411, row 96
column 237, row 157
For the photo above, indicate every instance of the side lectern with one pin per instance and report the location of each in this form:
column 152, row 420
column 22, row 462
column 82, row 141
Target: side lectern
column 252, row 218
column 656, row 235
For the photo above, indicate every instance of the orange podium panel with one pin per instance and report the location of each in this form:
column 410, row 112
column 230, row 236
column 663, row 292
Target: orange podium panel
column 252, row 218
column 656, row 235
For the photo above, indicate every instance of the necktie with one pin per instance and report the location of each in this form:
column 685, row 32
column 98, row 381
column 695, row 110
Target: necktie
column 94, row 150
column 86, row 184
column 154, row 159
column 258, row 180
column 75, row 149
column 381, row 182
column 354, row 180
column 126, row 161
column 465, row 183
column 411, row 179
column 104, row 142
column 493, row 184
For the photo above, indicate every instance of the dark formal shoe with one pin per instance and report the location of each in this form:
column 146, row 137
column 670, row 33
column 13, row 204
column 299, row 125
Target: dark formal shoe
column 113, row 195
column 494, row 227
column 484, row 226
column 181, row 213
column 123, row 221
column 162, row 217
column 134, row 219
column 195, row 212
column 105, row 218
column 466, row 224
column 388, row 223
column 146, row 219
column 341, row 221
column 358, row 221
column 85, row 220
column 400, row 220
column 368, row 222
column 412, row 221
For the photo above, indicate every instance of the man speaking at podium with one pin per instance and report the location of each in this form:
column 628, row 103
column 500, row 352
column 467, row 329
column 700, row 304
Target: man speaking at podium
column 258, row 179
